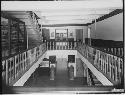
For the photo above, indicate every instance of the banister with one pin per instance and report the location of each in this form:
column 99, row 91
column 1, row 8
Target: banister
column 110, row 65
column 15, row 66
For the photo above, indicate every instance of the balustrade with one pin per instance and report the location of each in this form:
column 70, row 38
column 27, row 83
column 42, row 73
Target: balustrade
column 54, row 45
column 14, row 67
column 110, row 65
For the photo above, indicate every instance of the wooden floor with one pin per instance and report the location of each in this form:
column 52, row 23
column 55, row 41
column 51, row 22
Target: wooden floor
column 42, row 78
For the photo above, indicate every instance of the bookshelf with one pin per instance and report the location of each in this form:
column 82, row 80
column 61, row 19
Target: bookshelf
column 13, row 35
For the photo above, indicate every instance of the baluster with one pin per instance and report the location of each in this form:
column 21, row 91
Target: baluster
column 118, row 51
column 95, row 60
column 106, row 62
column 13, row 68
column 115, row 51
column 103, row 61
column 100, row 60
column 50, row 46
column 20, row 65
column 59, row 46
column 115, row 69
column 16, row 64
column 64, row 45
column 4, row 70
column 118, row 74
column 9, row 71
column 121, row 70
column 24, row 58
column 53, row 46
column 121, row 51
column 71, row 45
column 111, row 66
column 68, row 45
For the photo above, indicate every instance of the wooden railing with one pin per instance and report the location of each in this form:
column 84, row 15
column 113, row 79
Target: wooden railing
column 110, row 65
column 14, row 67
column 55, row 45
column 117, row 51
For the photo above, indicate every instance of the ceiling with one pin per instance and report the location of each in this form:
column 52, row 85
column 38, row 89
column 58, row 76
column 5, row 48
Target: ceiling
column 66, row 11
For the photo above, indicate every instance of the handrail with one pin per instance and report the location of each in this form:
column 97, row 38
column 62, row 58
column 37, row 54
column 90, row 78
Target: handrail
column 110, row 65
column 14, row 67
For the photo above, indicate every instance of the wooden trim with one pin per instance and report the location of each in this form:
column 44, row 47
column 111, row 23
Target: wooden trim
column 113, row 13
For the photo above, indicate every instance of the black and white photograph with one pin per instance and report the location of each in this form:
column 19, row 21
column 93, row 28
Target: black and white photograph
column 62, row 47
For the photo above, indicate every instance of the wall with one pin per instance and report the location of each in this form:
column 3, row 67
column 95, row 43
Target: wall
column 109, row 29
column 72, row 29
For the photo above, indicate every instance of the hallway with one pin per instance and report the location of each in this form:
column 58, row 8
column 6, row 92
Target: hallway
column 42, row 79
